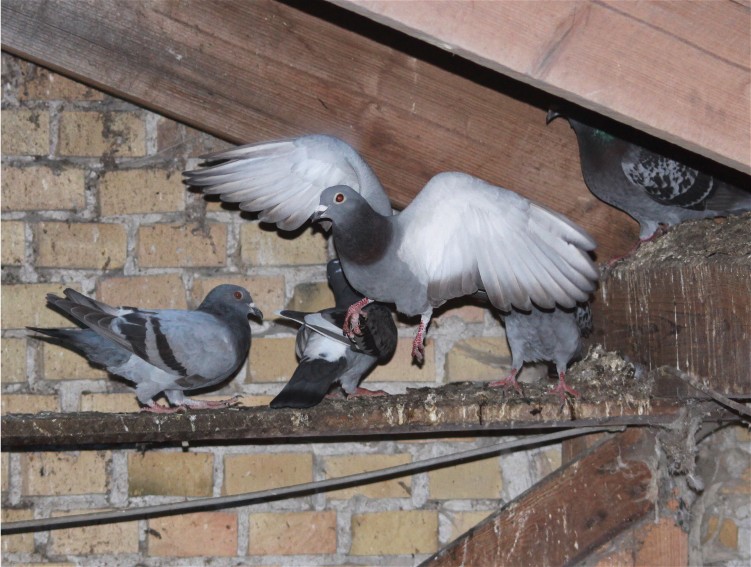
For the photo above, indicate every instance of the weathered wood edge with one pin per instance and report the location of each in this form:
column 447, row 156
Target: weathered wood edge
column 569, row 513
column 452, row 409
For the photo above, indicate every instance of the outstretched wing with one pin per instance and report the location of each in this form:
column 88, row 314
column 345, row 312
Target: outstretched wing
column 462, row 234
column 283, row 180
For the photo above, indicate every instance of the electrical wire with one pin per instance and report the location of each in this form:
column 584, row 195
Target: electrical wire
column 217, row 502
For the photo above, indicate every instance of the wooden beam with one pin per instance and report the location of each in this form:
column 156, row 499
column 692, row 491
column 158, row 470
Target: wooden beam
column 252, row 71
column 684, row 300
column 571, row 512
column 456, row 408
column 678, row 70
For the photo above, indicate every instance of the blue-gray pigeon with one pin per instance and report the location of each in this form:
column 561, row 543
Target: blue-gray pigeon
column 546, row 336
column 328, row 357
column 162, row 350
column 652, row 188
column 459, row 235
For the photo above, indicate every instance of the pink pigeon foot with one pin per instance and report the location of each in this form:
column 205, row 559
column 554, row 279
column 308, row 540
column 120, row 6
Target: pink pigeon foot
column 418, row 345
column 661, row 230
column 210, row 404
column 562, row 388
column 507, row 382
column 359, row 392
column 351, row 325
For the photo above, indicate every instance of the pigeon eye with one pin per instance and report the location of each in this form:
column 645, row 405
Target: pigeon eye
column 339, row 198
column 238, row 295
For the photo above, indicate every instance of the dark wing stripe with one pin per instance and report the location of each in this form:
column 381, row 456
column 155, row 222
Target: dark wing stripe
column 165, row 351
column 132, row 327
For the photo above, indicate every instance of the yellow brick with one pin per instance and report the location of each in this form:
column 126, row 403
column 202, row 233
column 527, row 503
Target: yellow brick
column 311, row 297
column 109, row 403
column 182, row 246
column 164, row 291
column 468, row 313
column 170, row 474
column 26, row 305
column 478, row 358
column 479, row 479
column 4, row 470
column 394, row 533
column 27, row 403
column 19, row 543
column 42, row 188
column 712, row 523
column 60, row 474
column 267, row 291
column 141, row 191
column 742, row 433
column 265, row 247
column 354, row 464
column 401, row 368
column 13, row 361
column 13, row 243
column 461, row 522
column 121, row 537
column 61, row 363
column 271, row 360
column 293, row 533
column 81, row 245
column 728, row 536
column 97, row 134
column 247, row 473
column 41, row 84
column 25, row 132
column 212, row 534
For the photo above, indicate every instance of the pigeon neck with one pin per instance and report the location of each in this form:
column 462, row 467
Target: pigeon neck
column 364, row 237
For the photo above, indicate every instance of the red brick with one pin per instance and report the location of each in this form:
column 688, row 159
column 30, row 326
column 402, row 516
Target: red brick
column 203, row 534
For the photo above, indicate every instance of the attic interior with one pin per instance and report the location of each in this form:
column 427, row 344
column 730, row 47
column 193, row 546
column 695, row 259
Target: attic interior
column 418, row 89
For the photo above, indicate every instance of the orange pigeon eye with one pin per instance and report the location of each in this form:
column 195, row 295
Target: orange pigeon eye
column 238, row 295
column 339, row 198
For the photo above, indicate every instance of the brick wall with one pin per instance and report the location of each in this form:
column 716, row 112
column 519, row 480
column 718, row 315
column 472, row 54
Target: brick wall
column 92, row 199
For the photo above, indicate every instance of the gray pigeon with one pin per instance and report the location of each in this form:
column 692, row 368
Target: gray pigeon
column 546, row 335
column 459, row 235
column 650, row 187
column 162, row 350
column 283, row 180
column 328, row 357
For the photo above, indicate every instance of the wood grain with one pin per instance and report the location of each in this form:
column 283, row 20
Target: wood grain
column 571, row 512
column 253, row 71
column 678, row 70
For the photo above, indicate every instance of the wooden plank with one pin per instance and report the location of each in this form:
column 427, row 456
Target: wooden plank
column 252, row 71
column 684, row 300
column 452, row 409
column 561, row 519
column 677, row 70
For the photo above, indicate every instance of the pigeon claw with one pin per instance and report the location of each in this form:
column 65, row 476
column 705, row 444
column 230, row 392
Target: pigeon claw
column 507, row 382
column 351, row 325
column 359, row 392
column 562, row 389
column 156, row 408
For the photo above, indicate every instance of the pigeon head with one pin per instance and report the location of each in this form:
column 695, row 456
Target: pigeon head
column 227, row 298
column 338, row 203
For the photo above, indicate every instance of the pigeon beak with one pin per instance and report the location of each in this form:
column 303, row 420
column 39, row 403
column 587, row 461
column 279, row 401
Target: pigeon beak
column 255, row 311
column 552, row 115
column 319, row 212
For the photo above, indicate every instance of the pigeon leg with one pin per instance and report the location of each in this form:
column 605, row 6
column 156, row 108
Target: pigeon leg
column 418, row 345
column 562, row 388
column 153, row 407
column 507, row 382
column 351, row 325
column 660, row 231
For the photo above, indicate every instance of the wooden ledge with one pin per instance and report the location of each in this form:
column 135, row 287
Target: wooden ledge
column 608, row 398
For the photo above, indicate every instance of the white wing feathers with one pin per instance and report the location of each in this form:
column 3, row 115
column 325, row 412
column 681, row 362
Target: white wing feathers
column 283, row 180
column 462, row 234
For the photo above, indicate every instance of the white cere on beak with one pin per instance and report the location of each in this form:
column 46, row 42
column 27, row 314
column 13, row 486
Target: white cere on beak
column 321, row 208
